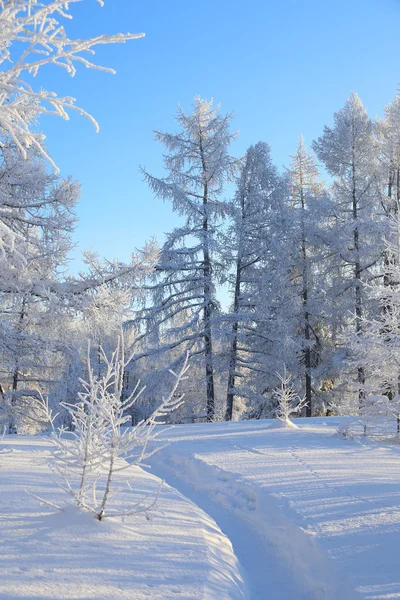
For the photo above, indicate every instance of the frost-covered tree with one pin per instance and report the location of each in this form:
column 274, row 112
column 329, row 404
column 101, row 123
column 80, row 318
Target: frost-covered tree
column 288, row 402
column 385, row 325
column 106, row 309
column 388, row 131
column 36, row 220
column 101, row 445
column 349, row 151
column 246, row 244
column 281, row 298
column 39, row 303
column 305, row 190
column 271, row 336
column 197, row 166
column 379, row 347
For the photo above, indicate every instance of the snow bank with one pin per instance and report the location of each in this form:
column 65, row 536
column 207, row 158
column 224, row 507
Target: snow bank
column 180, row 553
column 310, row 515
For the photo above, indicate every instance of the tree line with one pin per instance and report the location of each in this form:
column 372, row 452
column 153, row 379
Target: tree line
column 268, row 273
column 311, row 267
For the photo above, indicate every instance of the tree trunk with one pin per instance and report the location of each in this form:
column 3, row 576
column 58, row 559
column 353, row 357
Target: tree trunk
column 233, row 351
column 12, row 425
column 387, row 282
column 209, row 363
column 230, row 396
column 357, row 276
column 307, row 328
column 208, row 306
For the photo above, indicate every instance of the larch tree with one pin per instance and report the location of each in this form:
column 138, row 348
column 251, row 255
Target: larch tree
column 245, row 248
column 36, row 209
column 37, row 215
column 349, row 152
column 304, row 187
column 388, row 130
column 198, row 165
column 266, row 337
column 380, row 350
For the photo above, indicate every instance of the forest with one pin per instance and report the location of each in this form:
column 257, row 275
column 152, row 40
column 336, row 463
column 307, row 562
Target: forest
column 267, row 273
column 217, row 416
column 265, row 270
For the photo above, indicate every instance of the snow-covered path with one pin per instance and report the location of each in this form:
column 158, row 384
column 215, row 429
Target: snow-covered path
column 310, row 515
column 50, row 555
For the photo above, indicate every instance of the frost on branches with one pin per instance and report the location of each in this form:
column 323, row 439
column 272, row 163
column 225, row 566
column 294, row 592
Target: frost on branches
column 350, row 152
column 33, row 34
column 288, row 401
column 101, row 444
column 306, row 199
column 245, row 250
column 184, row 302
column 45, row 317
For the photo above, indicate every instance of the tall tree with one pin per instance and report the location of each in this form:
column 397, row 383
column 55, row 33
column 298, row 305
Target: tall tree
column 388, row 130
column 38, row 304
column 37, row 217
column 380, row 348
column 349, row 152
column 304, row 186
column 198, row 165
column 246, row 244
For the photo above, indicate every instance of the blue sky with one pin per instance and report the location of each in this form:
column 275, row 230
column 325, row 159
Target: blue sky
column 283, row 67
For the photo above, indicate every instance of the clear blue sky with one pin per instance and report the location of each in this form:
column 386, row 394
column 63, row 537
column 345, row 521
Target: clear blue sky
column 283, row 67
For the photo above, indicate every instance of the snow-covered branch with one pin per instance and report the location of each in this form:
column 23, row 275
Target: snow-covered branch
column 32, row 35
column 101, row 443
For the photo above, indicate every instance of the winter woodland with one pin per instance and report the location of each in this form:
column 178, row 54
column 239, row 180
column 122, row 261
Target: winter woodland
column 293, row 272
column 267, row 271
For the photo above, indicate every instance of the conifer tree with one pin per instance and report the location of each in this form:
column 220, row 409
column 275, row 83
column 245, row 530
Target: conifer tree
column 304, row 187
column 246, row 248
column 349, row 151
column 197, row 166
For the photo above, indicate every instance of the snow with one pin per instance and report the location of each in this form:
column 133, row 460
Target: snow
column 310, row 515
column 305, row 515
column 282, row 424
column 49, row 555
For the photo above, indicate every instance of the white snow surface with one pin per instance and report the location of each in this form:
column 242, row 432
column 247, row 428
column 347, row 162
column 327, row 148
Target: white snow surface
column 49, row 555
column 310, row 515
column 305, row 515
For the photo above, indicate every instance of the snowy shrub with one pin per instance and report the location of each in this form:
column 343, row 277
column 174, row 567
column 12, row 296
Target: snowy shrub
column 22, row 411
column 101, row 444
column 262, row 405
column 344, row 428
column 289, row 402
column 377, row 413
column 378, row 418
